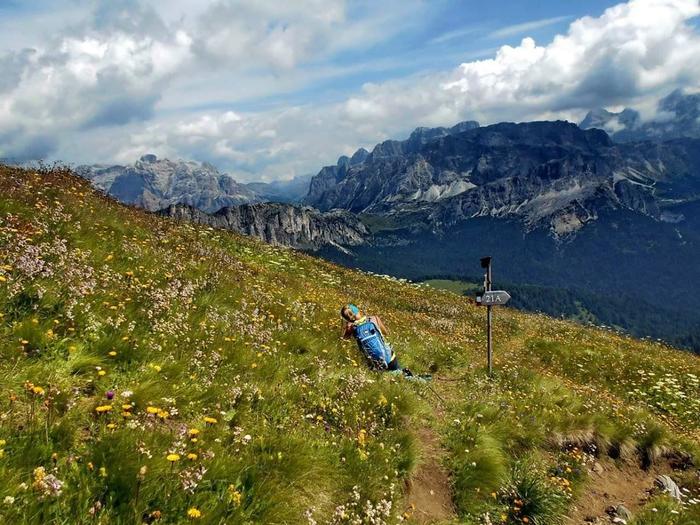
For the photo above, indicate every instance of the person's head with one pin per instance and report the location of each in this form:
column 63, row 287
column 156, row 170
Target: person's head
column 350, row 312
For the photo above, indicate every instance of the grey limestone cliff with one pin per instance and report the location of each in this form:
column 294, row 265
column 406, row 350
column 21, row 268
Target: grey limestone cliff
column 280, row 224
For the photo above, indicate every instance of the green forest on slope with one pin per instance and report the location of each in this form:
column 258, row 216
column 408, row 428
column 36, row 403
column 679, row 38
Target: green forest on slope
column 629, row 314
column 159, row 372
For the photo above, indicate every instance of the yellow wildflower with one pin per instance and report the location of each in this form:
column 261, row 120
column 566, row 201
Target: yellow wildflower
column 173, row 457
column 192, row 456
column 103, row 408
column 234, row 495
column 210, row 420
column 38, row 390
column 193, row 431
column 39, row 473
column 194, row 513
column 152, row 410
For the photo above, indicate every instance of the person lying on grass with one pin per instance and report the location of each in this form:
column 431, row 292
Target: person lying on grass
column 369, row 332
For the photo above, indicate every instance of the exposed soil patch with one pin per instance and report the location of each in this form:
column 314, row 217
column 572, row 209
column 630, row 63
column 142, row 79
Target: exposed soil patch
column 429, row 497
column 612, row 485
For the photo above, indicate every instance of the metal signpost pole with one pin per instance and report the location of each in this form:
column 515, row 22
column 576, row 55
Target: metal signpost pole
column 489, row 319
column 489, row 299
column 486, row 263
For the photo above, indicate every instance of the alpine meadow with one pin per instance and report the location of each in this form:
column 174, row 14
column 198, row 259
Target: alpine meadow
column 156, row 371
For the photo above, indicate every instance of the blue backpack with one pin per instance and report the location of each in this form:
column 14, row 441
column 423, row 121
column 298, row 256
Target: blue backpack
column 372, row 344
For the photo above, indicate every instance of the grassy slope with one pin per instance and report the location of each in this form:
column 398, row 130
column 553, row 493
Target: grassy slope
column 235, row 399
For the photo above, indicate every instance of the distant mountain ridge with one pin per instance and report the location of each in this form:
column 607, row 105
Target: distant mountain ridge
column 678, row 116
column 281, row 224
column 551, row 174
column 337, row 187
column 153, row 184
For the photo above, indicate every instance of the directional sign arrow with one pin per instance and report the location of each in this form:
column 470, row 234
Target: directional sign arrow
column 494, row 298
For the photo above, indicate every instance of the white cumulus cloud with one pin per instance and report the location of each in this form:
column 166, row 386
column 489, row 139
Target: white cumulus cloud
column 101, row 87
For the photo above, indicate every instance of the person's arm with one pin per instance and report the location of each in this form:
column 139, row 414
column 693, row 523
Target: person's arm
column 380, row 325
column 346, row 330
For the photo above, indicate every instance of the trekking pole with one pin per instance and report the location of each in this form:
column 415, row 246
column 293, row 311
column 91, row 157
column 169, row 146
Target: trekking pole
column 444, row 403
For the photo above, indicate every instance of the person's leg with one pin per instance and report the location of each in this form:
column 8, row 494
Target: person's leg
column 393, row 365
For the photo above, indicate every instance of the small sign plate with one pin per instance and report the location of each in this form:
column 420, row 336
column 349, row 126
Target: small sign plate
column 493, row 298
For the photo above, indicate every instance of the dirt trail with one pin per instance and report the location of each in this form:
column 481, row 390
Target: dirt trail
column 429, row 496
column 613, row 485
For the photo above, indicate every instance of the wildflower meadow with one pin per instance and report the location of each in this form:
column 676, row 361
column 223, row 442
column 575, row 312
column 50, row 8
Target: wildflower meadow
column 159, row 372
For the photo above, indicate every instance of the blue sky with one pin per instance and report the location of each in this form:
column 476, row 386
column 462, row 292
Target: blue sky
column 274, row 89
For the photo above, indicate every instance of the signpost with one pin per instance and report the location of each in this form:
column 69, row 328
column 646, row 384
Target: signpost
column 490, row 298
column 495, row 298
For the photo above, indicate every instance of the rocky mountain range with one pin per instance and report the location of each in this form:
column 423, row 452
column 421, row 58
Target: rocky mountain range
column 393, row 172
column 281, row 224
column 551, row 174
column 153, row 184
column 677, row 116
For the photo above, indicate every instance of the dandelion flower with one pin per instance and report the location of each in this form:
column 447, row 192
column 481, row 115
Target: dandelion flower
column 152, row 410
column 194, row 513
column 193, row 431
column 192, row 456
column 173, row 457
column 103, row 408
column 210, row 420
column 38, row 390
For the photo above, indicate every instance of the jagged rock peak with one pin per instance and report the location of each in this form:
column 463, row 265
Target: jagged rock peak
column 359, row 156
column 153, row 183
column 677, row 116
column 148, row 158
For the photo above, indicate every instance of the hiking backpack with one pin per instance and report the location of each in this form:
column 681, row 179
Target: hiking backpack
column 372, row 344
